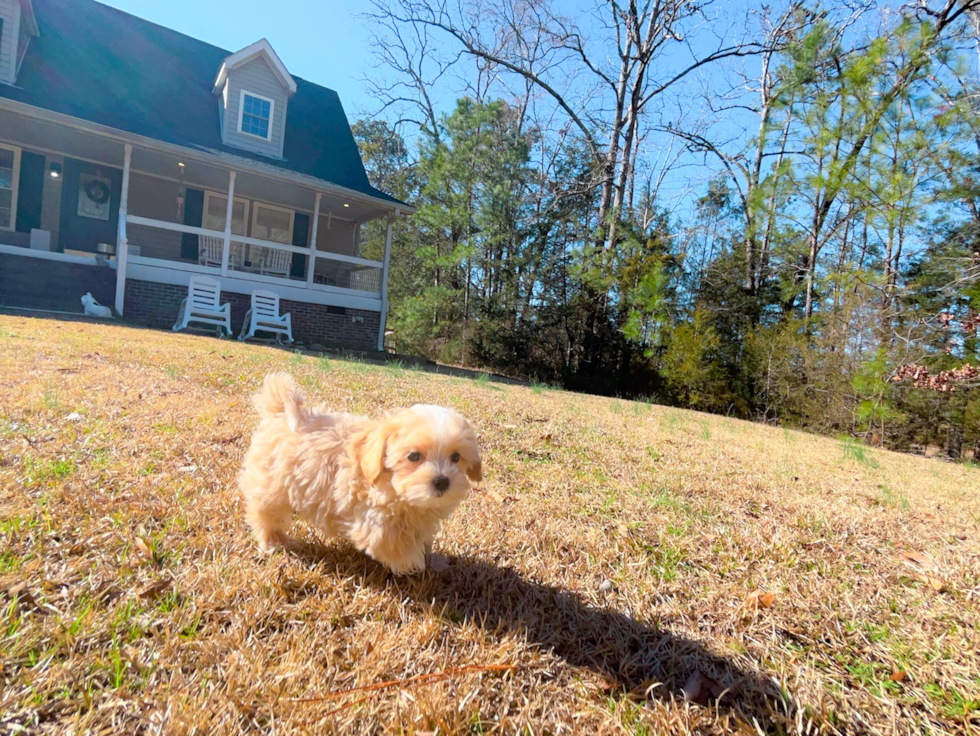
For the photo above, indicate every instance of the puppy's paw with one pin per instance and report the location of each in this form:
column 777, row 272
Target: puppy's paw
column 411, row 564
column 273, row 541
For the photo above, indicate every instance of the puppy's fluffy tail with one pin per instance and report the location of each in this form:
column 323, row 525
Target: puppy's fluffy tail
column 280, row 395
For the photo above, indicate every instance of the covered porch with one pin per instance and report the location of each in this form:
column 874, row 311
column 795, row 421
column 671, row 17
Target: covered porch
column 157, row 214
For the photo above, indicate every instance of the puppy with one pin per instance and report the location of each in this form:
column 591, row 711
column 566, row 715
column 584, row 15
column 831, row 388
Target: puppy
column 386, row 485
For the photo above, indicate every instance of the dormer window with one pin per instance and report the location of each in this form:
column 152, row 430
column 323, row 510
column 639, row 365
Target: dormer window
column 255, row 116
column 253, row 90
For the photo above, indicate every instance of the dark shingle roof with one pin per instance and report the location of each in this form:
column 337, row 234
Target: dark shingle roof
column 109, row 67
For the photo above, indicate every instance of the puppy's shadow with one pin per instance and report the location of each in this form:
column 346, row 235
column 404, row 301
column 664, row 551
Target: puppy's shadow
column 636, row 659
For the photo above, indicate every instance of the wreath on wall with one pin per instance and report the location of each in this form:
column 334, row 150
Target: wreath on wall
column 97, row 191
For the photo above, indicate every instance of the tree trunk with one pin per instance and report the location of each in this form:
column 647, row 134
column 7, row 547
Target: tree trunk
column 954, row 441
column 810, row 273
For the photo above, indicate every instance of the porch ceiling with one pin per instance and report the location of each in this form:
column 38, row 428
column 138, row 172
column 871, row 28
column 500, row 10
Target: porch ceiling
column 33, row 133
column 203, row 175
column 48, row 137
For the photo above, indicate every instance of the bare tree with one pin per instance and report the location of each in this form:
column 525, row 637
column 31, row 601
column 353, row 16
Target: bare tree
column 417, row 63
column 603, row 71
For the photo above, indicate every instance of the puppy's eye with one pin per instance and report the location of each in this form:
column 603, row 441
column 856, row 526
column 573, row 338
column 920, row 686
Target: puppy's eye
column 415, row 456
column 454, row 457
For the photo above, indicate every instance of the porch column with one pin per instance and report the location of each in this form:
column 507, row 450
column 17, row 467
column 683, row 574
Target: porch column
column 122, row 246
column 384, row 284
column 311, row 262
column 226, row 246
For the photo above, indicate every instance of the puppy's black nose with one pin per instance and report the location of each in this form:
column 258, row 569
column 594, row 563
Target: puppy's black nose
column 441, row 483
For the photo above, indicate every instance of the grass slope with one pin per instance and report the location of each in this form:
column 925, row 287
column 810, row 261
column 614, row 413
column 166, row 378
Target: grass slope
column 606, row 558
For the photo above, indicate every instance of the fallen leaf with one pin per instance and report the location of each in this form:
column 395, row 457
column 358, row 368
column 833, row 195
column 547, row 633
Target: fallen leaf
column 918, row 560
column 623, row 530
column 496, row 496
column 759, row 599
column 156, row 590
column 20, row 589
column 606, row 685
column 144, row 549
column 925, row 565
column 897, row 676
column 22, row 598
column 933, row 582
column 702, row 689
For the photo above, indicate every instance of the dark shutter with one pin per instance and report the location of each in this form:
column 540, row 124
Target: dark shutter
column 193, row 216
column 29, row 191
column 301, row 239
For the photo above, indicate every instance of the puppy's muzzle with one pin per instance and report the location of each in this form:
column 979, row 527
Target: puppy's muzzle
column 441, row 484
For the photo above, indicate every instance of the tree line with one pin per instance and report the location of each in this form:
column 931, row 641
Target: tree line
column 771, row 212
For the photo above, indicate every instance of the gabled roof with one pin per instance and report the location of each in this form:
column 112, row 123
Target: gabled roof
column 105, row 66
column 27, row 15
column 261, row 48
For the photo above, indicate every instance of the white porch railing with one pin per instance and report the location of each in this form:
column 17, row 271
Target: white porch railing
column 252, row 259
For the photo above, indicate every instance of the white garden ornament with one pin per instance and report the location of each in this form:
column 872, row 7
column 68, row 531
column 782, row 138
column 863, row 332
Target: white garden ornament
column 93, row 308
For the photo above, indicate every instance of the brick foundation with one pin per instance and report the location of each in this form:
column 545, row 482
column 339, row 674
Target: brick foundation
column 40, row 283
column 156, row 305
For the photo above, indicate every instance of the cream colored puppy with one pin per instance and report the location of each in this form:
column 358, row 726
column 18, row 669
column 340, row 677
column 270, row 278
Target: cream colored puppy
column 385, row 485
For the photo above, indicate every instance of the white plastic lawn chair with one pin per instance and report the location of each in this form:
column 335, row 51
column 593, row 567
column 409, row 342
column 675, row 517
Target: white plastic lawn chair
column 202, row 305
column 264, row 317
column 276, row 262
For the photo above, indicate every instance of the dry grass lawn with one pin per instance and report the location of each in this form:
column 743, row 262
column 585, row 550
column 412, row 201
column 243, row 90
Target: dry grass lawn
column 624, row 568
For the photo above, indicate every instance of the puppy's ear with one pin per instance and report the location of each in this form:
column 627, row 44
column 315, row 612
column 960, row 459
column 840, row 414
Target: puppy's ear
column 475, row 470
column 372, row 447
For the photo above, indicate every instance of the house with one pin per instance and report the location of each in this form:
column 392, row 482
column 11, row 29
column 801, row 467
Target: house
column 133, row 157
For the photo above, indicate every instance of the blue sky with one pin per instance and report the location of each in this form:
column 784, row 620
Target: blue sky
column 323, row 41
column 320, row 41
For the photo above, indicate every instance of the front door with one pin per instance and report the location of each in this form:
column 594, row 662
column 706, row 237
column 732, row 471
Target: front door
column 89, row 206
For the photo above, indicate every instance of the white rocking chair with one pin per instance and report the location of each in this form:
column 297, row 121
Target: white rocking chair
column 276, row 262
column 202, row 305
column 237, row 256
column 264, row 317
column 209, row 250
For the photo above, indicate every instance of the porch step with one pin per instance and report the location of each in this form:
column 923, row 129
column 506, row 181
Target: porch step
column 39, row 283
column 55, row 314
column 41, row 304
